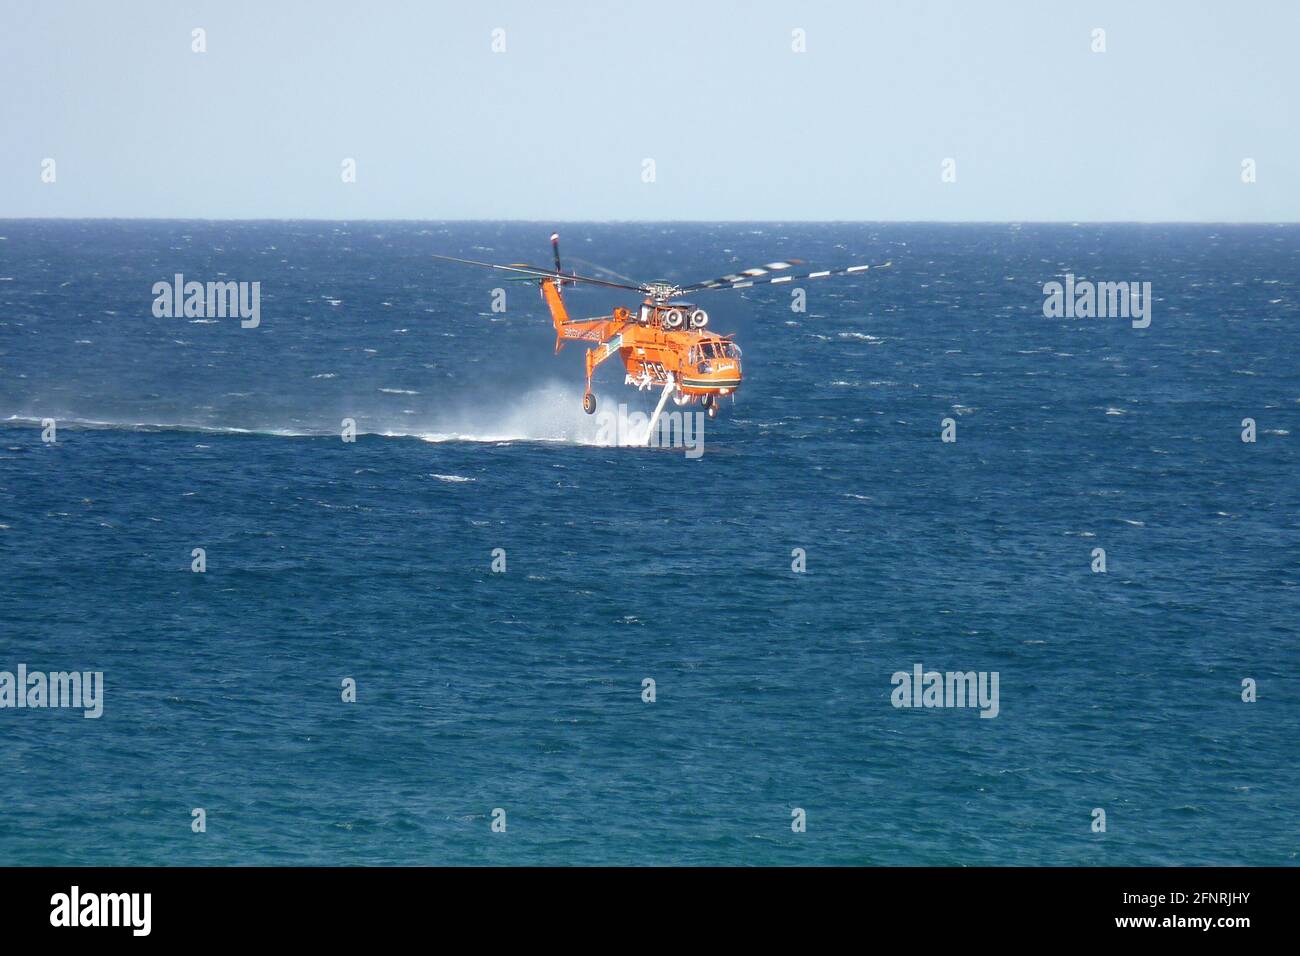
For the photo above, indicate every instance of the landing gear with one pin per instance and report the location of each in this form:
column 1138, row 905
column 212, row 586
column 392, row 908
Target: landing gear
column 589, row 403
column 710, row 403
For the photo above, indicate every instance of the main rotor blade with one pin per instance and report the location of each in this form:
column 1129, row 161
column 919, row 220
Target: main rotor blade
column 598, row 268
column 819, row 274
column 540, row 273
column 754, row 273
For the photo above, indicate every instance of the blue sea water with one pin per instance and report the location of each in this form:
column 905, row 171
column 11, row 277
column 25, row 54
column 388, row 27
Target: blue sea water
column 523, row 690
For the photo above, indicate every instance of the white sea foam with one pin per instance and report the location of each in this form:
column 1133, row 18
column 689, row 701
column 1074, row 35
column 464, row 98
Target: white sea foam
column 551, row 413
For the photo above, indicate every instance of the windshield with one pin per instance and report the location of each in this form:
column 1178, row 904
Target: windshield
column 714, row 350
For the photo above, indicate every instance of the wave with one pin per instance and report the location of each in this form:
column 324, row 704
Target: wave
column 549, row 414
column 92, row 424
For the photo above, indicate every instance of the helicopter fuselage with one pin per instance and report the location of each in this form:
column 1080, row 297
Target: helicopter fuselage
column 661, row 342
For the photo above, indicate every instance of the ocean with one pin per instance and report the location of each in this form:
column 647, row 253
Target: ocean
column 519, row 697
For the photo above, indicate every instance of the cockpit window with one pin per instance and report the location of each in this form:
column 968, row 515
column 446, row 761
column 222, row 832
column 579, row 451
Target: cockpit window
column 713, row 350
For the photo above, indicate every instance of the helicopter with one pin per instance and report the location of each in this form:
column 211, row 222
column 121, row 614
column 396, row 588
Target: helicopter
column 665, row 342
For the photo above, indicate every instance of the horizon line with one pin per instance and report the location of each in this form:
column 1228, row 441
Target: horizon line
column 562, row 222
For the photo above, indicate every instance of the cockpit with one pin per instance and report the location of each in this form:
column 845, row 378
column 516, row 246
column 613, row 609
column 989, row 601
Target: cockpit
column 706, row 351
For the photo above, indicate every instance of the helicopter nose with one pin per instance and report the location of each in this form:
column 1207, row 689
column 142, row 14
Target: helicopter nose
column 710, row 378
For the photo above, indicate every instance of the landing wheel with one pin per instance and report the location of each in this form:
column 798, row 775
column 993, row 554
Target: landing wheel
column 713, row 409
column 589, row 403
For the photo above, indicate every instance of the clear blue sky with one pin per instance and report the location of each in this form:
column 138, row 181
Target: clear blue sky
column 739, row 125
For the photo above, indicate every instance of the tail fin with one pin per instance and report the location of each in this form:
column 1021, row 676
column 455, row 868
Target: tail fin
column 551, row 293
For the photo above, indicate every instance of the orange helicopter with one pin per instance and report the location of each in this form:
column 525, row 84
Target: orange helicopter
column 665, row 341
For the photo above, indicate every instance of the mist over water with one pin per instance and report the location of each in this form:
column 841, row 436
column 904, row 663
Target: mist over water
column 552, row 413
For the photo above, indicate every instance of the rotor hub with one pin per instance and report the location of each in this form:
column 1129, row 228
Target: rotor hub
column 661, row 292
